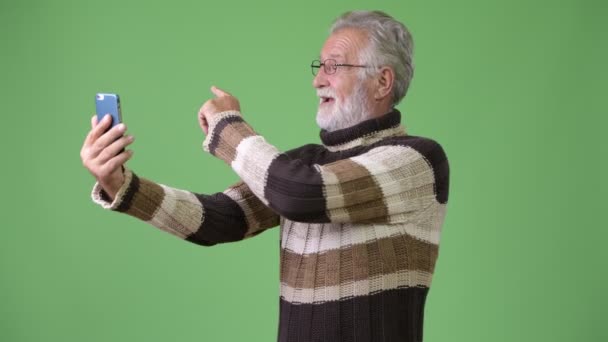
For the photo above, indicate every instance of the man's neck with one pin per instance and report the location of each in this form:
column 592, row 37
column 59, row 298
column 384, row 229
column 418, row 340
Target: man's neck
column 380, row 108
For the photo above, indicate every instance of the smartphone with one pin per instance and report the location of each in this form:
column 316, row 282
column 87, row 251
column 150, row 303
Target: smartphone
column 108, row 104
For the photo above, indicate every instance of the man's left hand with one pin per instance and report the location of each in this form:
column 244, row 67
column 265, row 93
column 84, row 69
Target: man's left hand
column 222, row 102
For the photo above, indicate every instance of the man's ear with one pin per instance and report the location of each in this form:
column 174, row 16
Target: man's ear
column 386, row 79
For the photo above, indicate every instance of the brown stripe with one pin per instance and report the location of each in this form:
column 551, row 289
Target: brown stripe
column 181, row 213
column 230, row 137
column 261, row 215
column 389, row 256
column 346, row 266
column 146, row 200
column 309, row 269
column 375, row 261
column 362, row 195
column 359, row 262
column 320, row 265
column 332, row 269
column 258, row 215
column 292, row 258
column 374, row 211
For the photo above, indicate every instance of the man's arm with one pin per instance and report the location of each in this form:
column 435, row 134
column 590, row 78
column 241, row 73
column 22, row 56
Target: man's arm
column 387, row 184
column 232, row 215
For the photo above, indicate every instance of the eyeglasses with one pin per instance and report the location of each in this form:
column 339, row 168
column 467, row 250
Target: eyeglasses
column 330, row 66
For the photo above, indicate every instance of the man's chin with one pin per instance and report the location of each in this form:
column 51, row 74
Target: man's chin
column 324, row 121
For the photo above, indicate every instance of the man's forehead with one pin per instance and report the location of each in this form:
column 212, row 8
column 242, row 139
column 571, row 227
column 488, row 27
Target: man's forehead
column 333, row 56
column 342, row 44
column 338, row 50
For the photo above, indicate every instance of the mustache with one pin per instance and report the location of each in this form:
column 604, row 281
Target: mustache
column 326, row 92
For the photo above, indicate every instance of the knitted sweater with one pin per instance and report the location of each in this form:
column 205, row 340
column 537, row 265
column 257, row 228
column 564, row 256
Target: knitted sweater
column 360, row 219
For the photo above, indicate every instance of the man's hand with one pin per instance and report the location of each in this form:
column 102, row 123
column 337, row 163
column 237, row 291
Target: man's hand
column 101, row 154
column 222, row 102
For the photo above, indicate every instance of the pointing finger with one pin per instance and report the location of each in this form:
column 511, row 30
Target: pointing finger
column 219, row 92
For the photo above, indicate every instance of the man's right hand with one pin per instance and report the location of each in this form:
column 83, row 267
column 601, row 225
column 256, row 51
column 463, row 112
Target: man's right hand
column 101, row 154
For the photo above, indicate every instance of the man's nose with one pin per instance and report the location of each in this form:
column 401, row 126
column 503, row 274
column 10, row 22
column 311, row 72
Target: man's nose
column 320, row 79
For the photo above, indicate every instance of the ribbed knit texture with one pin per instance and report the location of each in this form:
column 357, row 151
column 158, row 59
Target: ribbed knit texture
column 360, row 220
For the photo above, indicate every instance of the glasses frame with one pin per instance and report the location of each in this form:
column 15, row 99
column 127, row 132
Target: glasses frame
column 331, row 68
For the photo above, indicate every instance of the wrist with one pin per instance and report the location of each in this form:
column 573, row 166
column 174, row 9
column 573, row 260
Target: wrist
column 110, row 194
column 108, row 190
column 111, row 187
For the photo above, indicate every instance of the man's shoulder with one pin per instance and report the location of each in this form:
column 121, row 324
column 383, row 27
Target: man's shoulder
column 423, row 145
column 434, row 155
column 428, row 148
column 315, row 153
column 309, row 153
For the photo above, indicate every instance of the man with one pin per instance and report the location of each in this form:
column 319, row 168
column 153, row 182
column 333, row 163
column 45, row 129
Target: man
column 360, row 215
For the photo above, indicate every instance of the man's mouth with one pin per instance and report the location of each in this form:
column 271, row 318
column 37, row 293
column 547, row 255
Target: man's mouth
column 325, row 100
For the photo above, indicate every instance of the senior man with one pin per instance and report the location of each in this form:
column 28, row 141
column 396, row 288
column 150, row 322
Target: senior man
column 360, row 215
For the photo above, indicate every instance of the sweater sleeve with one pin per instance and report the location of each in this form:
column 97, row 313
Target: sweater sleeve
column 386, row 184
column 232, row 215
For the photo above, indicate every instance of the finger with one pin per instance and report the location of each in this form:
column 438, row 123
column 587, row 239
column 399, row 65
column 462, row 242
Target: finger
column 110, row 136
column 118, row 161
column 99, row 129
column 93, row 121
column 219, row 92
column 114, row 149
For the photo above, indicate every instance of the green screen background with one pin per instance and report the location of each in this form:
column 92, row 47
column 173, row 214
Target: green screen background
column 513, row 90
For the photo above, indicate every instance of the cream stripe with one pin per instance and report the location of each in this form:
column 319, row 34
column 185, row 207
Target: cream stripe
column 402, row 173
column 358, row 288
column 430, row 223
column 332, row 193
column 180, row 212
column 330, row 238
column 285, row 231
column 253, row 158
column 215, row 119
column 338, row 215
column 333, row 234
column 406, row 207
column 396, row 168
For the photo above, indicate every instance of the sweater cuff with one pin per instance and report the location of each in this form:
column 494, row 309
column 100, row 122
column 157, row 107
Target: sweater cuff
column 226, row 131
column 99, row 196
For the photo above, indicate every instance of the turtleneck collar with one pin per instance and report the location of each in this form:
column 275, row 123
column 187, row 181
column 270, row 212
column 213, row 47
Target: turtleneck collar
column 364, row 133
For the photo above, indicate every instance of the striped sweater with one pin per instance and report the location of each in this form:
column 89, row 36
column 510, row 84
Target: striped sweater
column 360, row 219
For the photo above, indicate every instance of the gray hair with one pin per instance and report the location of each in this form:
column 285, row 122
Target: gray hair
column 391, row 44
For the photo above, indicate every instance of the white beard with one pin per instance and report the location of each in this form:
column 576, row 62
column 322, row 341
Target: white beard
column 342, row 114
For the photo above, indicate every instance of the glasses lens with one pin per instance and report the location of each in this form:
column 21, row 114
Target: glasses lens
column 330, row 66
column 315, row 66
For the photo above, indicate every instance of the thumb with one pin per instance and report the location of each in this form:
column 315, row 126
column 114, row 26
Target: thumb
column 219, row 92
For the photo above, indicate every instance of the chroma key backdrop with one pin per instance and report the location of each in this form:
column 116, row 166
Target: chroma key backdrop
column 515, row 92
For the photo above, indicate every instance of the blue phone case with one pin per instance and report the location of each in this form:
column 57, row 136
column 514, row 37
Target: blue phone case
column 108, row 104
